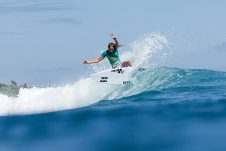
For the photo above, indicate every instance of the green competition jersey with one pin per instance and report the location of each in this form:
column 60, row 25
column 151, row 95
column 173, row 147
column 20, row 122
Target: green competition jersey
column 113, row 57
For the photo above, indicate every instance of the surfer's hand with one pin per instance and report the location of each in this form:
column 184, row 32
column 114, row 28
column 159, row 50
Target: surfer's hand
column 85, row 62
column 112, row 36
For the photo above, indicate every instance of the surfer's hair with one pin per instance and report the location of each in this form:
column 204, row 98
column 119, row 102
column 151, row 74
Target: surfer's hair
column 111, row 44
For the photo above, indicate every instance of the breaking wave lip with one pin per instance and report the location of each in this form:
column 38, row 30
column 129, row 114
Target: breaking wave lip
column 86, row 91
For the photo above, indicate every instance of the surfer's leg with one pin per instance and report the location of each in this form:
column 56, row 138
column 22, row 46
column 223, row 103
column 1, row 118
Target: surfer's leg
column 127, row 64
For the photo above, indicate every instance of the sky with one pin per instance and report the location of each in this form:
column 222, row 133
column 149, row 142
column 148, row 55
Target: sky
column 45, row 41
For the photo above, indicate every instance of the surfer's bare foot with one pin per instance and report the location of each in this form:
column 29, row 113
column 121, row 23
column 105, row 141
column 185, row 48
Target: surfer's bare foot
column 127, row 64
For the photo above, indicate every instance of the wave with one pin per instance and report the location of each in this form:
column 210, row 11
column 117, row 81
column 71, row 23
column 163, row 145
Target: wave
column 86, row 91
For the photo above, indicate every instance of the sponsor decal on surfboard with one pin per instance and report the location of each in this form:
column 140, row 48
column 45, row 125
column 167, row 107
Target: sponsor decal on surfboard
column 103, row 79
column 118, row 70
column 116, row 76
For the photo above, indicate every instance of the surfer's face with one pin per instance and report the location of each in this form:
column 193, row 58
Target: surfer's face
column 111, row 48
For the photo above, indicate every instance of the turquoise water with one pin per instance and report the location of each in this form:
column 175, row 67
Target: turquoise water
column 172, row 109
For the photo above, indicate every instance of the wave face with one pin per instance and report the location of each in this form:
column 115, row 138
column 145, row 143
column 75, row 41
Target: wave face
column 86, row 91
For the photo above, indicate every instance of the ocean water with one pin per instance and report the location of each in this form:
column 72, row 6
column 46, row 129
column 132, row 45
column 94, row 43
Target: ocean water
column 164, row 109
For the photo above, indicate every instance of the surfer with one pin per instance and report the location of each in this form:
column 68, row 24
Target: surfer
column 112, row 54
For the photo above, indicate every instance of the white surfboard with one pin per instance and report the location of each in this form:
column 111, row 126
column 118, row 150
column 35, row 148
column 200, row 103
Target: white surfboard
column 114, row 76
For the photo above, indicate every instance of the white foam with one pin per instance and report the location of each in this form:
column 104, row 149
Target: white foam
column 39, row 100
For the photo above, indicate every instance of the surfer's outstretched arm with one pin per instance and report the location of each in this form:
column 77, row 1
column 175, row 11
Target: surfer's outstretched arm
column 115, row 39
column 93, row 61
